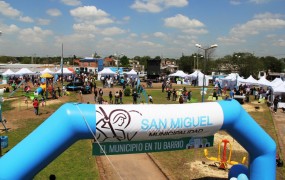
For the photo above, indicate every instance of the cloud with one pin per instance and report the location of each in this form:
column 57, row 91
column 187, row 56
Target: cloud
column 7, row 10
column 259, row 1
column 86, row 12
column 111, row 31
column 26, row 19
column 34, row 35
column 10, row 29
column 185, row 24
column 53, row 12
column 84, row 27
column 260, row 23
column 90, row 14
column 280, row 42
column 159, row 35
column 231, row 40
column 155, row 6
column 71, row 2
column 43, row 21
column 235, row 2
column 182, row 22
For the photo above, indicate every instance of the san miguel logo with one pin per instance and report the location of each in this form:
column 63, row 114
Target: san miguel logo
column 114, row 125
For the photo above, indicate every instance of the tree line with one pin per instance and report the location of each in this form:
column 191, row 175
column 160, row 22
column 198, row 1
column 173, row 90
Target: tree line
column 243, row 63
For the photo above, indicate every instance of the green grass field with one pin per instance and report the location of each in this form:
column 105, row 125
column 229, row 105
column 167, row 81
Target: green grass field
column 78, row 163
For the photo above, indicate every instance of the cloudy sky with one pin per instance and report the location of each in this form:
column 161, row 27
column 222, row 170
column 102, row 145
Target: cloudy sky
column 164, row 28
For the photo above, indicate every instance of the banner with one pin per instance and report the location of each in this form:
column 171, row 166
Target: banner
column 151, row 146
column 143, row 122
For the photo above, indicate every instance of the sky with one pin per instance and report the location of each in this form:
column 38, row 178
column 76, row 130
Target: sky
column 165, row 28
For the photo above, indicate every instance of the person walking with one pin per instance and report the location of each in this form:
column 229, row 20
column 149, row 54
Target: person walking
column 117, row 96
column 36, row 106
column 174, row 95
column 110, row 97
column 95, row 95
column 135, row 97
column 121, row 96
column 275, row 104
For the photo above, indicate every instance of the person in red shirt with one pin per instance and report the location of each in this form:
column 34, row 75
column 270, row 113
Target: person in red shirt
column 36, row 106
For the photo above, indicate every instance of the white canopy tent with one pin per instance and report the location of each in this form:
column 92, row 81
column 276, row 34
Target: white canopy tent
column 277, row 82
column 264, row 82
column 178, row 73
column 47, row 70
column 250, row 80
column 231, row 80
column 8, row 72
column 64, row 70
column 199, row 76
column 106, row 71
column 24, row 71
column 132, row 73
column 279, row 89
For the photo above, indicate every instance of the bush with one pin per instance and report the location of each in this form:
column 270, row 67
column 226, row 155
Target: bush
column 127, row 91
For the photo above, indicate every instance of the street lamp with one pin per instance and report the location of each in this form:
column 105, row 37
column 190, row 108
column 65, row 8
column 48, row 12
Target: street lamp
column 205, row 55
column 118, row 61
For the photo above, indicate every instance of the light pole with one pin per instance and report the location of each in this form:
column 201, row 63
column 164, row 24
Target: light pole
column 236, row 72
column 204, row 76
column 118, row 61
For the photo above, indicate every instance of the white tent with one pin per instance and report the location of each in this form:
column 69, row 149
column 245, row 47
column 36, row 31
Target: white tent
column 198, row 74
column 277, row 82
column 178, row 73
column 24, row 71
column 47, row 70
column 65, row 71
column 264, row 82
column 251, row 80
column 132, row 72
column 8, row 72
column 279, row 89
column 106, row 71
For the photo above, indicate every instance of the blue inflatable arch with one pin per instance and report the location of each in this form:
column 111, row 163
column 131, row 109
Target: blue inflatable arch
column 72, row 122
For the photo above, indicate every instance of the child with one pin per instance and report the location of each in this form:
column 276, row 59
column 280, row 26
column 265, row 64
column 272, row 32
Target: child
column 150, row 99
column 43, row 101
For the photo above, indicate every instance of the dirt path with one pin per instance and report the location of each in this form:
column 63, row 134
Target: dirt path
column 130, row 166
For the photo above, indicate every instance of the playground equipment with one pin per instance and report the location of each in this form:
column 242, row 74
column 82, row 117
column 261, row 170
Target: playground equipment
column 129, row 123
column 17, row 87
column 223, row 161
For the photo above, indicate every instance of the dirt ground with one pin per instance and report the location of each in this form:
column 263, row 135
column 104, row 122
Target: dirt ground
column 23, row 111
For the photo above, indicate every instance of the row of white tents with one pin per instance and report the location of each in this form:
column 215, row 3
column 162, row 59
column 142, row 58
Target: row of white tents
column 109, row 72
column 26, row 71
column 277, row 85
column 233, row 79
column 196, row 75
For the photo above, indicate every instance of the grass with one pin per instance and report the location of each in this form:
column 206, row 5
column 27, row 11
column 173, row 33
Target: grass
column 78, row 163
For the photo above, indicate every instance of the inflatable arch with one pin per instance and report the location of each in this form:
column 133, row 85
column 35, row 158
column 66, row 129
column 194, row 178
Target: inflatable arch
column 72, row 122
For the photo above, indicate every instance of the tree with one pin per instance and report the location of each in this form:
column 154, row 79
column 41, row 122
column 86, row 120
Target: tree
column 124, row 61
column 186, row 63
column 272, row 64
